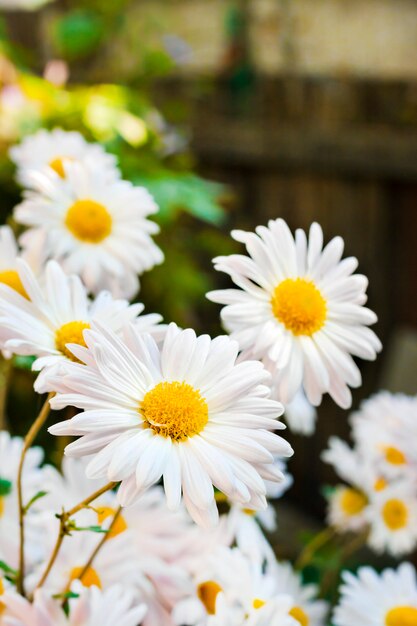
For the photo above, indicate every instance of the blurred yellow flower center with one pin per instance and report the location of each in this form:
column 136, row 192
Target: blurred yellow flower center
column 249, row 512
column 12, row 279
column 1, row 507
column 72, row 332
column 258, row 603
column 89, row 221
column 88, row 579
column 175, row 410
column 402, row 616
column 300, row 615
column 380, row 484
column 119, row 526
column 57, row 165
column 207, row 593
column 353, row 501
column 395, row 514
column 1, row 586
column 394, row 456
column 299, row 305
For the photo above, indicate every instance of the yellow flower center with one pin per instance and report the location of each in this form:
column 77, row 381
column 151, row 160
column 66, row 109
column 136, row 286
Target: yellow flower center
column 89, row 221
column 57, row 165
column 175, row 410
column 380, row 484
column 1, row 506
column 12, row 279
column 258, row 603
column 353, row 501
column 118, row 527
column 207, row 592
column 72, row 332
column 402, row 616
column 88, row 579
column 2, row 606
column 249, row 512
column 394, row 456
column 395, row 514
column 300, row 615
column 299, row 305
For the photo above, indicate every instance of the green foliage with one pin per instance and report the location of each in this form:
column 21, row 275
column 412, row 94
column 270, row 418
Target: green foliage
column 5, row 487
column 36, row 497
column 78, row 34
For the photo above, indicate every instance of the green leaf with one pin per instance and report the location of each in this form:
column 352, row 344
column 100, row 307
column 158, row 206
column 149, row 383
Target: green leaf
column 93, row 529
column 23, row 362
column 6, row 568
column 78, row 34
column 5, row 487
column 66, row 595
column 327, row 491
column 37, row 496
column 184, row 192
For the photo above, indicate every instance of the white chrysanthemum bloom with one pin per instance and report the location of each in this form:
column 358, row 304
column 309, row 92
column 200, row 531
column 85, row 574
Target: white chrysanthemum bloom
column 348, row 509
column 93, row 607
column 300, row 308
column 96, row 228
column 385, row 431
column 372, row 599
column 52, row 149
column 184, row 412
column 250, row 598
column 32, row 483
column 55, row 313
column 392, row 514
column 306, row 610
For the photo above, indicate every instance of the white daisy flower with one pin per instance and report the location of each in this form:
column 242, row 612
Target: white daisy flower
column 372, row 599
column 52, row 149
column 347, row 509
column 93, row 607
column 385, row 431
column 300, row 309
column 9, row 253
column 392, row 514
column 184, row 412
column 306, row 609
column 96, row 228
column 55, row 313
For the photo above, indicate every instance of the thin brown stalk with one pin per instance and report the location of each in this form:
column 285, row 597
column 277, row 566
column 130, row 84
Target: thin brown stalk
column 65, row 528
column 311, row 548
column 29, row 439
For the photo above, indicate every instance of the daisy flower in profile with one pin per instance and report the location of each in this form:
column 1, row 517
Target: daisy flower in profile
column 50, row 150
column 184, row 412
column 299, row 308
column 392, row 516
column 93, row 607
column 95, row 227
column 54, row 313
column 372, row 599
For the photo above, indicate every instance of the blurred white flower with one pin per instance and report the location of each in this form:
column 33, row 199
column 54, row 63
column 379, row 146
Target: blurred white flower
column 95, row 227
column 49, row 151
column 373, row 599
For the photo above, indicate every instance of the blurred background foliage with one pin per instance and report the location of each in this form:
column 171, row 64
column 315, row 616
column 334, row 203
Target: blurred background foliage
column 87, row 65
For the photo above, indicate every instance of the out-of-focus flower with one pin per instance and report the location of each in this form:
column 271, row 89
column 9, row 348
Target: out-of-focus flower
column 185, row 412
column 300, row 309
column 372, row 599
column 300, row 415
column 93, row 607
column 96, row 228
column 52, row 149
column 55, row 314
column 56, row 72
column 23, row 5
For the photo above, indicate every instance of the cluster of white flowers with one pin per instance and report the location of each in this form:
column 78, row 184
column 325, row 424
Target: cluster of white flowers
column 164, row 425
column 380, row 497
